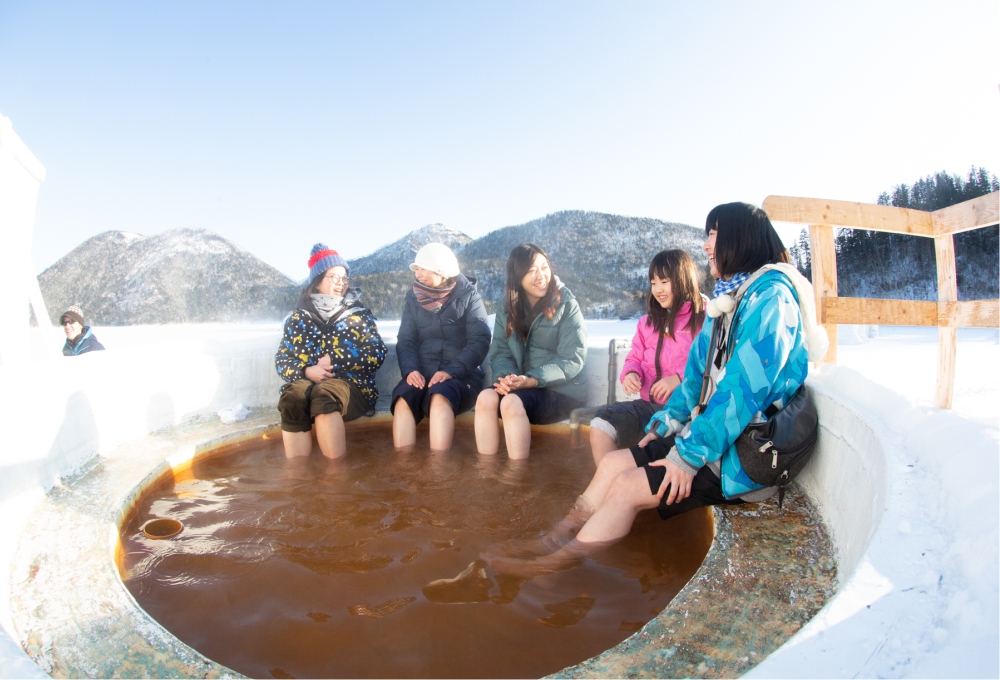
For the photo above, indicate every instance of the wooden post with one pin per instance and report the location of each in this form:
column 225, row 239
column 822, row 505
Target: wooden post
column 944, row 250
column 824, row 280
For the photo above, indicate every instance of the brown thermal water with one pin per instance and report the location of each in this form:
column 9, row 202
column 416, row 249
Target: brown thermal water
column 313, row 568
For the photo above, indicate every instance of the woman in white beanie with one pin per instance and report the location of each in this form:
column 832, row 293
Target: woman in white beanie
column 442, row 342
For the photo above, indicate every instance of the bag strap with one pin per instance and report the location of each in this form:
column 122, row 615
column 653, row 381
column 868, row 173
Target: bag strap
column 656, row 361
column 709, row 360
column 720, row 346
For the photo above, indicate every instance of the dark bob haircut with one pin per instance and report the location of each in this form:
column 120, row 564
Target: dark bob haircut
column 745, row 239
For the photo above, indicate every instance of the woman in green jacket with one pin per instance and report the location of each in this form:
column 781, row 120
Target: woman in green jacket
column 537, row 356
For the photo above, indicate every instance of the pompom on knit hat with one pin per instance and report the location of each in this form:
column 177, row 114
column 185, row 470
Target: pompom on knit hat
column 74, row 313
column 438, row 258
column 322, row 258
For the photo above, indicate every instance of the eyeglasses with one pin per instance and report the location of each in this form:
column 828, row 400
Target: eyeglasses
column 68, row 322
column 333, row 278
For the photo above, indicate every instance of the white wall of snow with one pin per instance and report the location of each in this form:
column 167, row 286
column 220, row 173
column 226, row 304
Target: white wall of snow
column 20, row 177
column 848, row 480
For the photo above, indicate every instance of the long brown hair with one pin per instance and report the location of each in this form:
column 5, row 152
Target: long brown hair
column 520, row 313
column 678, row 267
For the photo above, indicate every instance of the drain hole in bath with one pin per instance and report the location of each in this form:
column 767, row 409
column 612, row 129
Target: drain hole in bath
column 162, row 528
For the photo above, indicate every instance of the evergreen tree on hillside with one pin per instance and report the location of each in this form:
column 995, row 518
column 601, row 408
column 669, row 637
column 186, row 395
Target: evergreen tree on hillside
column 876, row 264
column 940, row 190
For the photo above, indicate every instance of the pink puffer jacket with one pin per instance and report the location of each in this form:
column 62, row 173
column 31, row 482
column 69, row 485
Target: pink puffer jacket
column 673, row 356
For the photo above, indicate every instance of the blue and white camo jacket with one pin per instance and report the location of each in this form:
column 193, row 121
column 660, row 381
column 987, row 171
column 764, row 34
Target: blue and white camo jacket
column 769, row 362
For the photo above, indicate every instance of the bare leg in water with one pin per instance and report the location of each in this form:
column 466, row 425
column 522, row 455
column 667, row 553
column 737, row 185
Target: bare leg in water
column 602, row 515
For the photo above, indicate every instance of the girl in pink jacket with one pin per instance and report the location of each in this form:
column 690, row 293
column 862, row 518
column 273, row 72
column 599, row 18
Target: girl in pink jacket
column 655, row 364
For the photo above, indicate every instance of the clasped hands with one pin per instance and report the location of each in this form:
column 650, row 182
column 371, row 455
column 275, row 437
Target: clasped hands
column 416, row 379
column 321, row 370
column 510, row 383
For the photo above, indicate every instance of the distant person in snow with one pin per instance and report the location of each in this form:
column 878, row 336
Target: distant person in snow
column 328, row 357
column 79, row 338
column 443, row 340
column 538, row 354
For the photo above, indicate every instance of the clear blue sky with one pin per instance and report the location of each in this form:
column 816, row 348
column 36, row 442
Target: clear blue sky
column 281, row 124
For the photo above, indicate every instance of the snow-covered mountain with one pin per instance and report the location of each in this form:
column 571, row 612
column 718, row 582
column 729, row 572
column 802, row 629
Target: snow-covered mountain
column 180, row 276
column 191, row 276
column 602, row 258
column 399, row 254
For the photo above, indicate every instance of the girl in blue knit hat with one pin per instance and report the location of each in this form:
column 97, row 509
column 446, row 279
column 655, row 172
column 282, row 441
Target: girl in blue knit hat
column 328, row 357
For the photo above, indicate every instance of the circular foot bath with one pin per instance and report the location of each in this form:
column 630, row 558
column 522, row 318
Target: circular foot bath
column 335, row 564
column 396, row 564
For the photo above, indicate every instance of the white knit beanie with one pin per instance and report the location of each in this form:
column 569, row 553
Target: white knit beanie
column 438, row 258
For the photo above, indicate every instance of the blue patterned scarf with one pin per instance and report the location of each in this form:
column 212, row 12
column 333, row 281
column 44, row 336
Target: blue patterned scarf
column 735, row 281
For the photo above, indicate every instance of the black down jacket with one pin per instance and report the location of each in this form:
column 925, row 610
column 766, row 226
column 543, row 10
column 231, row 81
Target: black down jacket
column 455, row 340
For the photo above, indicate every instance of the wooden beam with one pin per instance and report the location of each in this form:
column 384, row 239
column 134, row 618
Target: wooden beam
column 944, row 251
column 847, row 214
column 881, row 312
column 947, row 281
column 966, row 314
column 969, row 314
column 824, row 280
column 983, row 211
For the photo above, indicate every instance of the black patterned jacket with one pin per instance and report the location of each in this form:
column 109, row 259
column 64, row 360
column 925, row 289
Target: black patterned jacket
column 350, row 338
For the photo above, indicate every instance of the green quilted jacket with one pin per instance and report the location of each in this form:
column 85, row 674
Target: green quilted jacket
column 555, row 352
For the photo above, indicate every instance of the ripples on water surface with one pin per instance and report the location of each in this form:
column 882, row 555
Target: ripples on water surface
column 313, row 568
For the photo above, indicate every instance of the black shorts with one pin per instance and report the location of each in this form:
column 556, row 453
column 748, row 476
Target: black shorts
column 706, row 489
column 628, row 419
column 544, row 406
column 461, row 394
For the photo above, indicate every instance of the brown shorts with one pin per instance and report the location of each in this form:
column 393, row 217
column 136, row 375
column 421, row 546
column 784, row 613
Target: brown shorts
column 301, row 401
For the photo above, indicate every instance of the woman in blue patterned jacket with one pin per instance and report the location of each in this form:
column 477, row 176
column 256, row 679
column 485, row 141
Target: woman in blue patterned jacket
column 687, row 460
column 328, row 357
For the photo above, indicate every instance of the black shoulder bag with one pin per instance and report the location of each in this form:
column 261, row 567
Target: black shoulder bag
column 773, row 452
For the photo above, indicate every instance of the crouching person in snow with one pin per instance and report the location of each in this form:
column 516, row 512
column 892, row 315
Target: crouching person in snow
column 687, row 459
column 443, row 338
column 79, row 338
column 328, row 357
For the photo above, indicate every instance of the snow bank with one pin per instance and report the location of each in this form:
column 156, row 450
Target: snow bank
column 923, row 597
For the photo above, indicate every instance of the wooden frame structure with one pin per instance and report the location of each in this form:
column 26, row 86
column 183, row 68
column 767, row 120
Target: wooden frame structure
column 948, row 314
